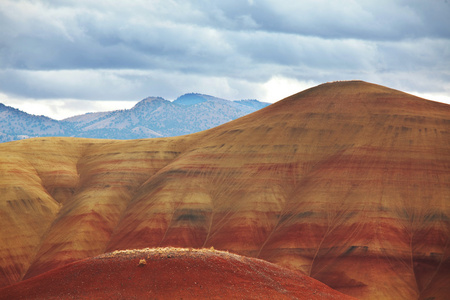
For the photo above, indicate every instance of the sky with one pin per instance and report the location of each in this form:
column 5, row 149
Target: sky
column 61, row 58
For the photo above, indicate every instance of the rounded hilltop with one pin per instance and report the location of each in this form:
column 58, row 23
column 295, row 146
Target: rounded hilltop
column 171, row 273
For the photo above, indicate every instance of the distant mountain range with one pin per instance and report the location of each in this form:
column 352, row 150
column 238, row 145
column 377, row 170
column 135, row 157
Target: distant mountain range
column 151, row 117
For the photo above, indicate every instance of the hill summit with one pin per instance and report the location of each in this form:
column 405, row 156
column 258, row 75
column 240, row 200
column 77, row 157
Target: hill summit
column 191, row 99
column 171, row 273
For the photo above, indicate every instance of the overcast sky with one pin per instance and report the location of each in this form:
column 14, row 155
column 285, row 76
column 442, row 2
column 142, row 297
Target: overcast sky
column 65, row 57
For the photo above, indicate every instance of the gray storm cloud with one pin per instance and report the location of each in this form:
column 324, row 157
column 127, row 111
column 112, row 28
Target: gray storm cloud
column 127, row 50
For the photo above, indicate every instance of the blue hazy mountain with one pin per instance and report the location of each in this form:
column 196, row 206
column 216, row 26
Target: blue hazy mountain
column 17, row 125
column 151, row 117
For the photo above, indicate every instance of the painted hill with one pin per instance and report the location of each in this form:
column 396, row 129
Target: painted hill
column 171, row 273
column 346, row 182
column 151, row 117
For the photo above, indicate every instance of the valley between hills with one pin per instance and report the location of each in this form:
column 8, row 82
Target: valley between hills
column 346, row 183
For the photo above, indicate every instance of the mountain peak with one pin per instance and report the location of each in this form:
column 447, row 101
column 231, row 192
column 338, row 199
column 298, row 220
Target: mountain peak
column 153, row 99
column 150, row 101
column 190, row 99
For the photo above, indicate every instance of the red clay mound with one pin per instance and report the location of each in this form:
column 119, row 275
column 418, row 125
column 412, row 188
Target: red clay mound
column 171, row 273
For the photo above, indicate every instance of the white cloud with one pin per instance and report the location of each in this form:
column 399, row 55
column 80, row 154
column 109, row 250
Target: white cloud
column 279, row 87
column 59, row 109
column 438, row 97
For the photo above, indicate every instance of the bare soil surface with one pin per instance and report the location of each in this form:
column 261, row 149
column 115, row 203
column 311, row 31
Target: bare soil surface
column 171, row 273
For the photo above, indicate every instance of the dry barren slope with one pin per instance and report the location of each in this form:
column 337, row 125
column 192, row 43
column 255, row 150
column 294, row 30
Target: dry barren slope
column 347, row 182
column 171, row 273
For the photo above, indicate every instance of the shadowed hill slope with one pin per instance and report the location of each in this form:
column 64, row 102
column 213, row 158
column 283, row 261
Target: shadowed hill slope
column 347, row 182
column 171, row 273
